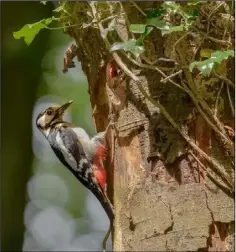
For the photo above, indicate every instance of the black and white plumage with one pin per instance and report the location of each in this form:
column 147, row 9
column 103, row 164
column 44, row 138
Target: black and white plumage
column 76, row 153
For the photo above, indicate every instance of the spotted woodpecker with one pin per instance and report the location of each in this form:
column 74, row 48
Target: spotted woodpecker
column 81, row 155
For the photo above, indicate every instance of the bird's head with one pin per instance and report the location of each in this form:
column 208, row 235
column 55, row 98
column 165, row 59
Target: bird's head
column 51, row 116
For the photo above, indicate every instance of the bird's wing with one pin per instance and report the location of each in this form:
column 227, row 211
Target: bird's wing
column 74, row 147
column 75, row 159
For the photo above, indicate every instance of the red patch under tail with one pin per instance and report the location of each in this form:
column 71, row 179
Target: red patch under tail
column 99, row 171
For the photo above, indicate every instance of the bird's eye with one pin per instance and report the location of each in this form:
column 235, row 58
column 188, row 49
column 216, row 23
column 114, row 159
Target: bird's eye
column 49, row 112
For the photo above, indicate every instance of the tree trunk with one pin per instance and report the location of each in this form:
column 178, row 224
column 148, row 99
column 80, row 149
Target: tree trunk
column 170, row 175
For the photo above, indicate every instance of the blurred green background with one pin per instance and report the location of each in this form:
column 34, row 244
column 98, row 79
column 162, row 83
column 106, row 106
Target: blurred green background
column 43, row 207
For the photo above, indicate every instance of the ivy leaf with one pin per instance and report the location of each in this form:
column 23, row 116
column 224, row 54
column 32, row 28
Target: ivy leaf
column 164, row 26
column 29, row 31
column 172, row 29
column 219, row 56
column 144, row 35
column 195, row 13
column 206, row 66
column 140, row 28
column 157, row 22
column 137, row 28
column 189, row 17
column 156, row 13
column 127, row 46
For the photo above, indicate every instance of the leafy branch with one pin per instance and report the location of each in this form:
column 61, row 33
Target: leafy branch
column 29, row 31
column 215, row 165
column 133, row 49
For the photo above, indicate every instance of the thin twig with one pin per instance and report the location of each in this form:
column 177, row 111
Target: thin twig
column 199, row 100
column 209, row 17
column 212, row 38
column 61, row 27
column 138, row 82
column 230, row 101
column 177, row 42
column 217, row 99
column 198, row 47
column 109, row 18
column 201, row 111
column 225, row 79
column 171, row 76
column 139, row 9
column 209, row 174
column 226, row 28
column 156, row 69
column 126, row 19
column 157, row 104
column 147, row 60
column 229, row 19
column 217, row 40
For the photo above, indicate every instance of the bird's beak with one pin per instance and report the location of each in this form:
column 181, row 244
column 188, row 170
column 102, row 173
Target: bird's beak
column 64, row 107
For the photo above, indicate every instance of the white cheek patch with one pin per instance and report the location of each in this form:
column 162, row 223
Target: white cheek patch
column 42, row 120
column 68, row 157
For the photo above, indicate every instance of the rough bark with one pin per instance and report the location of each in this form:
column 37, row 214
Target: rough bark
column 163, row 197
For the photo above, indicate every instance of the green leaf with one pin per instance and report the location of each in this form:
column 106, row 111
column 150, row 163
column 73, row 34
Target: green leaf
column 43, row 2
column 157, row 22
column 164, row 26
column 137, row 28
column 144, row 35
column 127, row 46
column 189, row 17
column 206, row 66
column 195, row 13
column 172, row 29
column 29, row 31
column 156, row 13
column 219, row 56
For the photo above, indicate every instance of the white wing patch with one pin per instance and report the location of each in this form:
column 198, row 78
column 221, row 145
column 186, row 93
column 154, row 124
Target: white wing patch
column 81, row 133
column 68, row 157
column 88, row 145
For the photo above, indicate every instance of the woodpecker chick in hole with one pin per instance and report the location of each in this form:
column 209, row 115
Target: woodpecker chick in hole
column 81, row 155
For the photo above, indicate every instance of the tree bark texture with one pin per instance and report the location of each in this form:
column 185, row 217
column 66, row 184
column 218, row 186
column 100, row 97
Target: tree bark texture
column 166, row 195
